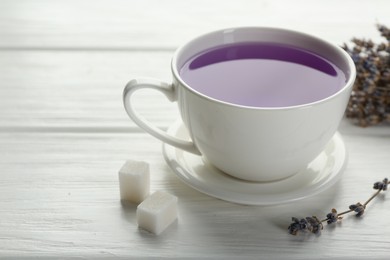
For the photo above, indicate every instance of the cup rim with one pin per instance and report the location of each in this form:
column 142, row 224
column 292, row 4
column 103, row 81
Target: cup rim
column 338, row 49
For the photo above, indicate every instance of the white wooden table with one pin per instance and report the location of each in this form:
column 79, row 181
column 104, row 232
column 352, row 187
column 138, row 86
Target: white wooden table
column 64, row 134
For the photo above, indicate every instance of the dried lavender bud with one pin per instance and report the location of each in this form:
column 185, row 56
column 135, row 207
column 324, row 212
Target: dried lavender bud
column 332, row 217
column 315, row 224
column 298, row 225
column 381, row 185
column 385, row 32
column 358, row 208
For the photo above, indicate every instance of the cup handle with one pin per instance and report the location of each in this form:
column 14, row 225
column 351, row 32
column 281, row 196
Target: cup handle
column 169, row 92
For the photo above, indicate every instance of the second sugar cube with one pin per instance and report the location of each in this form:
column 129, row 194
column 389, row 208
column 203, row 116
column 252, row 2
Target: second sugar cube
column 157, row 212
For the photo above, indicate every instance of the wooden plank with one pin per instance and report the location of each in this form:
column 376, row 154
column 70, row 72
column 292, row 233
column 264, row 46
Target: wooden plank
column 154, row 24
column 59, row 198
column 79, row 89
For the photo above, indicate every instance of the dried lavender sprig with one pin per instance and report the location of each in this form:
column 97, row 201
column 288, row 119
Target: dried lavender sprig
column 314, row 225
column 380, row 186
column 369, row 103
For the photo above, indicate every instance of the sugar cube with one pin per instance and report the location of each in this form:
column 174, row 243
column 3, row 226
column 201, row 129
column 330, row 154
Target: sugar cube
column 134, row 181
column 157, row 212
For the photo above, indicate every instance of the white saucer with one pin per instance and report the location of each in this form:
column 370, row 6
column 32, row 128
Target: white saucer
column 320, row 174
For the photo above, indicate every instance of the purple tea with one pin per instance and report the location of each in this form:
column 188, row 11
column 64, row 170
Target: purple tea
column 262, row 75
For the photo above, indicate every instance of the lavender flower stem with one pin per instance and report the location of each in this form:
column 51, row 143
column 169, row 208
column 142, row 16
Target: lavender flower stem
column 345, row 212
column 339, row 214
column 372, row 197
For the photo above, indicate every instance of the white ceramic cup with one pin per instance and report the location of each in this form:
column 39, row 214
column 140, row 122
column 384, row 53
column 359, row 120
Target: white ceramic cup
column 250, row 143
